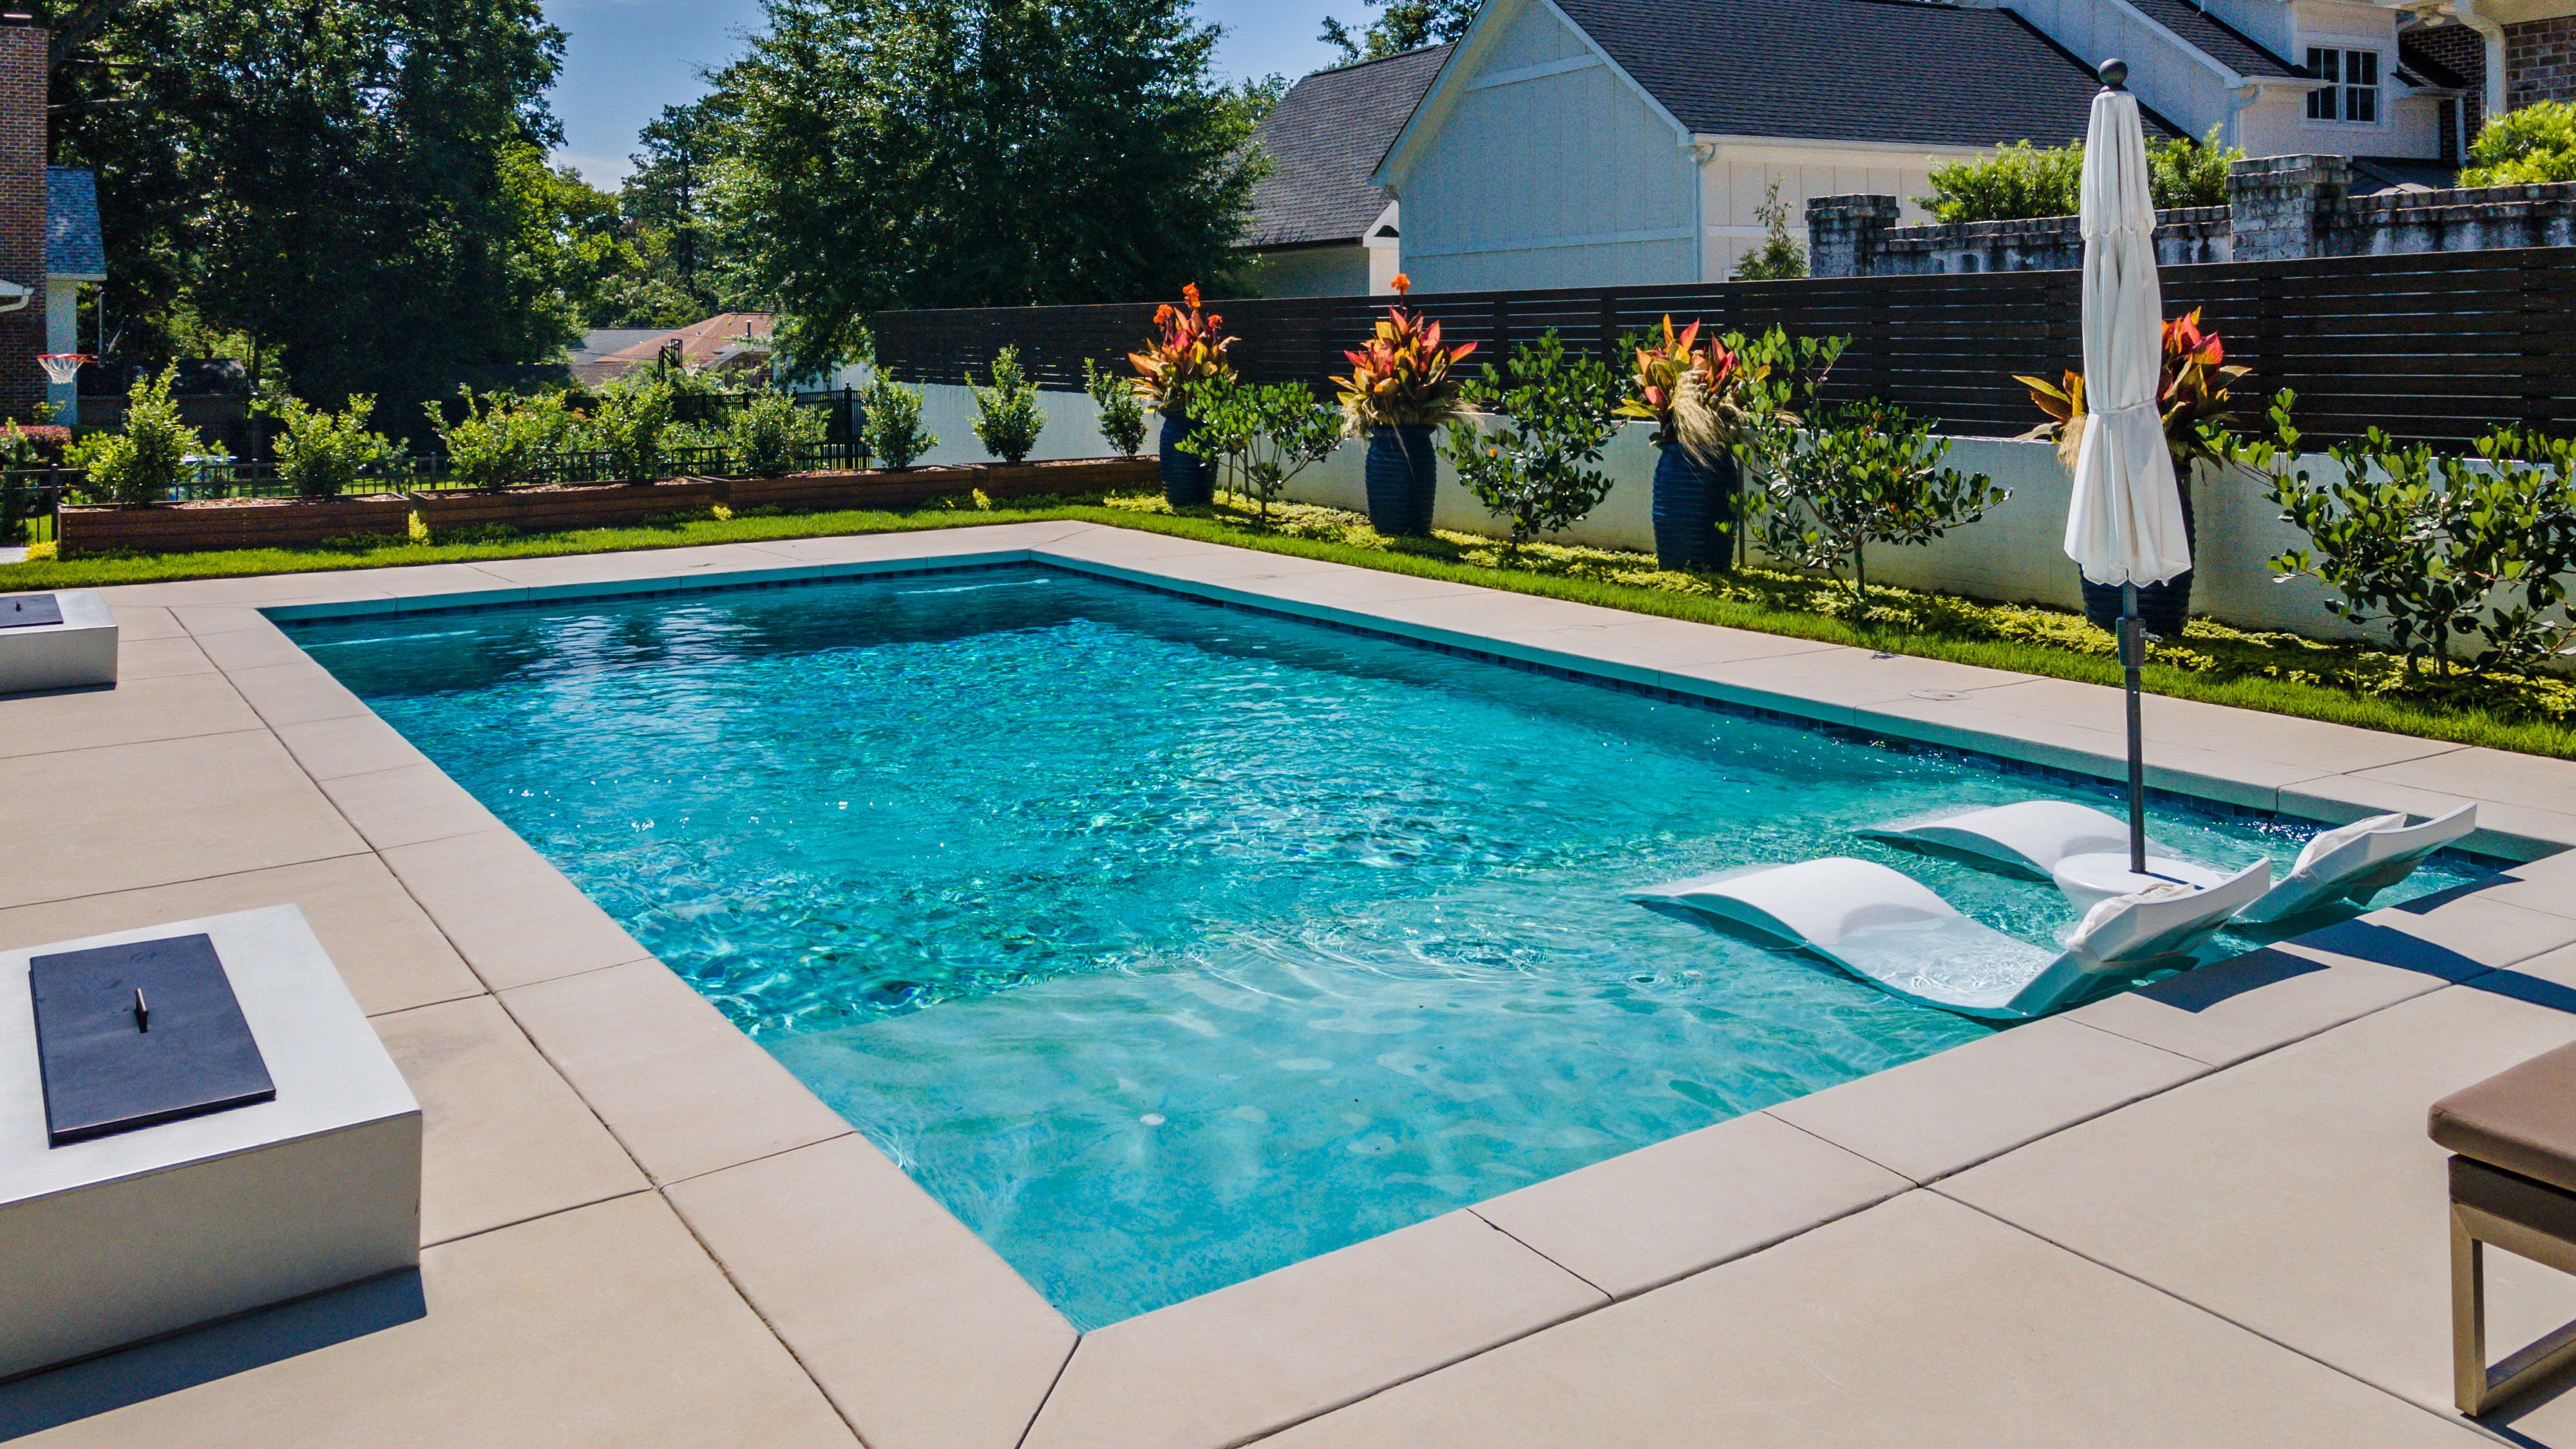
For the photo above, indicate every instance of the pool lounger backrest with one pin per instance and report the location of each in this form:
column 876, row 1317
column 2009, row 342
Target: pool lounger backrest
column 2358, row 861
column 2165, row 922
column 2028, row 836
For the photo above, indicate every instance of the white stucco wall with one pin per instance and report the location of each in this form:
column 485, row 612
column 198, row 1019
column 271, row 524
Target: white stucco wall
column 1325, row 271
column 1737, row 174
column 2014, row 554
column 1550, row 171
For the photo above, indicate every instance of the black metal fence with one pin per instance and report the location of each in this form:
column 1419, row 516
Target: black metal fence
column 2437, row 345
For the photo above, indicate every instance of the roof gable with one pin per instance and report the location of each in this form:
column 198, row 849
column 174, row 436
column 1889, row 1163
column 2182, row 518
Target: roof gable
column 1902, row 71
column 1324, row 140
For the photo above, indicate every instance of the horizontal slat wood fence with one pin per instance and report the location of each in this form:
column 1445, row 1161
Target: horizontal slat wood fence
column 2435, row 345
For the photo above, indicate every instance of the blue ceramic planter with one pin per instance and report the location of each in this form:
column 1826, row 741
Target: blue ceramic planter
column 1691, row 499
column 2163, row 607
column 1403, row 475
column 1189, row 481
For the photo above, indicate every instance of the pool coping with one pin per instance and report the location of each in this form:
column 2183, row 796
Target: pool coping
column 1258, row 1356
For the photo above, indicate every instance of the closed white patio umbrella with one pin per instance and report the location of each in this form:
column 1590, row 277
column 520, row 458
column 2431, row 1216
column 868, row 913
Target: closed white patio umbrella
column 2125, row 524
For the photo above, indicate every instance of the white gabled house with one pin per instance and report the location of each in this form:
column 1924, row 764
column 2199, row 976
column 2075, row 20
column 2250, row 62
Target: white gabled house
column 1320, row 225
column 1619, row 142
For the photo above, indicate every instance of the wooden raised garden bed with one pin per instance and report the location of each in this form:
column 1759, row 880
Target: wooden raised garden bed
column 234, row 523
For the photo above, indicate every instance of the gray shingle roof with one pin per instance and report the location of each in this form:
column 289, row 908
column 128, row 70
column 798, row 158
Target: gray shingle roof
column 1324, row 140
column 72, row 244
column 1849, row 70
column 2216, row 38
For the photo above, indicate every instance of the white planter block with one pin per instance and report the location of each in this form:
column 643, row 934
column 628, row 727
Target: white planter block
column 121, row 1238
column 80, row 650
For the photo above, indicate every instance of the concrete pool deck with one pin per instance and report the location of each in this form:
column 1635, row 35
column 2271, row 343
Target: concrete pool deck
column 2203, row 1213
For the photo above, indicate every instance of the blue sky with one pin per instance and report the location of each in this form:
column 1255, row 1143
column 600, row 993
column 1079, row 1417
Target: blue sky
column 629, row 58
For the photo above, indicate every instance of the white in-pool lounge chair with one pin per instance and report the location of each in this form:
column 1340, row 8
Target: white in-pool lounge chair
column 2356, row 862
column 1886, row 928
column 2086, row 851
column 2030, row 837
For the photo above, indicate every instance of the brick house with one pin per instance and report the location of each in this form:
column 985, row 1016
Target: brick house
column 2507, row 53
column 23, row 148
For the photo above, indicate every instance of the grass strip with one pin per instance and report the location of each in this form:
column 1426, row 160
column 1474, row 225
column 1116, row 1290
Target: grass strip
column 2277, row 673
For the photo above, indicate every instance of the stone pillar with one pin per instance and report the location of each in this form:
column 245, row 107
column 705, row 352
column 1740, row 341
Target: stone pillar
column 2278, row 204
column 1845, row 234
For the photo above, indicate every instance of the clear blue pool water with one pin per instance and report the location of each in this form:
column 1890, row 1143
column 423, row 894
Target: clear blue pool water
column 1167, row 944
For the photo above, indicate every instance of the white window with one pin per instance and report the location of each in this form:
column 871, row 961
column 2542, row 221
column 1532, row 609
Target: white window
column 2351, row 89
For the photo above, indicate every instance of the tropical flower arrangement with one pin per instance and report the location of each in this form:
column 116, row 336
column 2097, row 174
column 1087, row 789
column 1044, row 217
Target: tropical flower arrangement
column 2192, row 391
column 1685, row 390
column 1185, row 353
column 1404, row 375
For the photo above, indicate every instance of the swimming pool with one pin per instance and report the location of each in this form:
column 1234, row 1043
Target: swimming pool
column 1167, row 944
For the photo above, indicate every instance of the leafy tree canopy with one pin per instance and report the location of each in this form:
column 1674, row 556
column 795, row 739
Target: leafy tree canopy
column 351, row 190
column 1400, row 25
column 926, row 153
column 2528, row 147
column 2021, row 182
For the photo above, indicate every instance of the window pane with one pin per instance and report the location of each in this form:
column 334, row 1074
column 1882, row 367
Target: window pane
column 2361, row 104
column 2321, row 105
column 2326, row 64
column 2363, row 69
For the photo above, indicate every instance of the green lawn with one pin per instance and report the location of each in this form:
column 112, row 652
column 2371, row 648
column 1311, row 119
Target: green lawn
column 2281, row 673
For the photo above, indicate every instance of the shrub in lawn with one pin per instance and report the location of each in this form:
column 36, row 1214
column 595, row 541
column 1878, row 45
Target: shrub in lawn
column 1865, row 473
column 321, row 453
column 1007, row 417
column 630, row 421
column 2464, row 558
column 769, row 434
column 1558, row 414
column 1122, row 412
column 893, row 417
column 145, row 460
column 502, row 438
column 1263, row 436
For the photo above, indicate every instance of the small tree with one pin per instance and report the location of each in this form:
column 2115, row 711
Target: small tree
column 1560, row 414
column 2022, row 182
column 1779, row 258
column 1122, row 412
column 148, row 459
column 2185, row 172
column 1866, row 473
column 768, row 434
column 2439, row 549
column 320, row 454
column 1007, row 417
column 2531, row 146
column 502, row 439
column 892, row 413
column 629, row 421
column 1264, row 436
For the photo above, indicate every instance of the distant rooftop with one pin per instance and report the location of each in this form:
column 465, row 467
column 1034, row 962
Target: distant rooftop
column 73, row 245
column 1324, row 139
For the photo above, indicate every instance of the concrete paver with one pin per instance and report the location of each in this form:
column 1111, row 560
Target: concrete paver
column 921, row 1334
column 1231, row 1365
column 1917, row 1324
column 408, row 805
column 138, row 711
column 513, row 917
column 2298, row 1194
column 684, row 1090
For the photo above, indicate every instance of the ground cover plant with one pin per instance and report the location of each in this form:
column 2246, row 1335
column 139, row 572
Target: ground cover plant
column 2281, row 673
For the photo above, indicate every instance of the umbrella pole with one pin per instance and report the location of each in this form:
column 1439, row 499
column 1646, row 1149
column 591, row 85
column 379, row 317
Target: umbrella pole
column 2133, row 648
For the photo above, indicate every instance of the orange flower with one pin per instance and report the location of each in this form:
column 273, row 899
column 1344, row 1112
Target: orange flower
column 1402, row 284
column 1190, row 295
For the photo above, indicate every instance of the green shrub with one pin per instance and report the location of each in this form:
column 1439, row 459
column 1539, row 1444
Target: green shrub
column 503, row 438
column 1007, row 417
column 2440, row 549
column 2528, row 147
column 894, row 431
column 1779, row 258
column 321, row 453
column 1560, row 414
column 1864, row 473
column 2022, row 182
column 1122, row 411
column 1262, row 436
column 148, row 458
column 629, row 421
column 768, row 435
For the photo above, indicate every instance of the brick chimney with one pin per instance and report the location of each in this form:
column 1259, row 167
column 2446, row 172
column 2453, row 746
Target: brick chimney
column 23, row 152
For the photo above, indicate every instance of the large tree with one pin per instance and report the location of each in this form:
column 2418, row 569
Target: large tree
column 346, row 184
column 1401, row 25
column 887, row 153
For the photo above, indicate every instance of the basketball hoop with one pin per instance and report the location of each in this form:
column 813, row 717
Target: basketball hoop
column 62, row 368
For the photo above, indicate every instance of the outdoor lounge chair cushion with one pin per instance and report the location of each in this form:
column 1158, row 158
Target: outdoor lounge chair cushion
column 2522, row 1120
column 2356, row 862
column 1886, row 928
